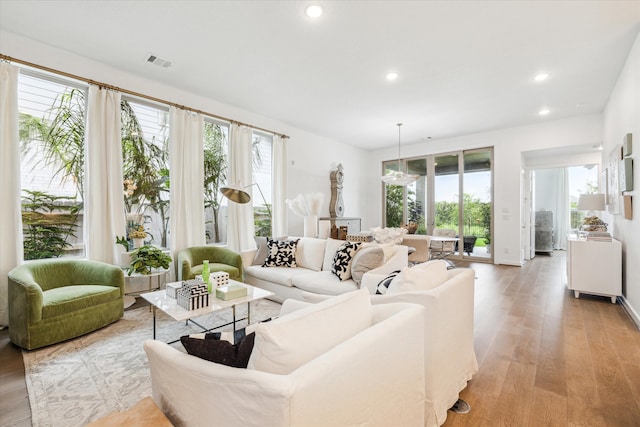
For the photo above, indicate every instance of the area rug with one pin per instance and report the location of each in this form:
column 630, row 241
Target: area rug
column 81, row 380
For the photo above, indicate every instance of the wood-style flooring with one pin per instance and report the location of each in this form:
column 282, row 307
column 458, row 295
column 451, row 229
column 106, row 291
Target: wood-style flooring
column 546, row 358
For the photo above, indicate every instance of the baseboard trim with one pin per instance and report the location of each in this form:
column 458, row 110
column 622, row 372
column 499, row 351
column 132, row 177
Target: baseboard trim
column 630, row 311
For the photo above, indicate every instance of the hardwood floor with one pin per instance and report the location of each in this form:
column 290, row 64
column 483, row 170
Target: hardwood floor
column 546, row 358
column 14, row 401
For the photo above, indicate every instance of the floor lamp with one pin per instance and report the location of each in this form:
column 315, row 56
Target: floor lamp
column 238, row 194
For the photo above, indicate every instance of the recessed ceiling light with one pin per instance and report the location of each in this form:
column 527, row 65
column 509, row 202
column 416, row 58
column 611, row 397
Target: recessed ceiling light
column 392, row 76
column 541, row 77
column 544, row 112
column 313, row 11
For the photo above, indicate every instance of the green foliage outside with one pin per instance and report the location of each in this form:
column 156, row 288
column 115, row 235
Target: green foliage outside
column 477, row 214
column 262, row 221
column 215, row 173
column 58, row 141
column 47, row 224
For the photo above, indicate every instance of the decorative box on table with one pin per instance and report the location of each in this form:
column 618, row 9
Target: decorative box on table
column 231, row 292
column 219, row 278
column 193, row 295
column 172, row 288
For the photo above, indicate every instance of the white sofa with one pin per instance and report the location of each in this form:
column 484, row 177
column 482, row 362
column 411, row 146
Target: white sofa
column 373, row 377
column 450, row 359
column 313, row 273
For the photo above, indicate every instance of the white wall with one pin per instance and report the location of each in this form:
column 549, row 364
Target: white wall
column 310, row 157
column 622, row 116
column 509, row 144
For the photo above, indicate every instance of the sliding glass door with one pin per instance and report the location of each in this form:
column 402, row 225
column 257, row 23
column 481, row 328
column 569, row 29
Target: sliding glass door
column 453, row 192
column 476, row 203
column 446, row 193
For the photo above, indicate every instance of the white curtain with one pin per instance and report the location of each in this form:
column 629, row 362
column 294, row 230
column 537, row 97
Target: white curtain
column 562, row 221
column 240, row 226
column 186, row 174
column 11, row 253
column 103, row 201
column 279, row 186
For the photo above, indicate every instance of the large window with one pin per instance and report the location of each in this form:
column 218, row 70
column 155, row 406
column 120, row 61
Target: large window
column 145, row 139
column 215, row 177
column 52, row 132
column 262, row 190
column 51, row 129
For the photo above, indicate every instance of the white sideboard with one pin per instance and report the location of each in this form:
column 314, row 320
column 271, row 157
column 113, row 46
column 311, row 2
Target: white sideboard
column 595, row 268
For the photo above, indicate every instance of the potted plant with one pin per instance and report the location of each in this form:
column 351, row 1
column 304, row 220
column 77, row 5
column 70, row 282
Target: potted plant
column 487, row 239
column 137, row 235
column 146, row 258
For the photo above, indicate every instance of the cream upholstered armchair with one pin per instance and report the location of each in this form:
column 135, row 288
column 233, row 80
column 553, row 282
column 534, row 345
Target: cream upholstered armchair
column 420, row 244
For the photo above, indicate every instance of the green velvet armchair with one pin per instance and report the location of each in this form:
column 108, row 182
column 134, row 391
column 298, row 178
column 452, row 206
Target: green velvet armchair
column 53, row 300
column 220, row 259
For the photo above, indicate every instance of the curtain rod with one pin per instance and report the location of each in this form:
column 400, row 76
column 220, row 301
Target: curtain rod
column 140, row 95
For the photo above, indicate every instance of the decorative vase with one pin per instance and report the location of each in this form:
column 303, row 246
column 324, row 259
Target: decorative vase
column 138, row 243
column 205, row 274
column 311, row 226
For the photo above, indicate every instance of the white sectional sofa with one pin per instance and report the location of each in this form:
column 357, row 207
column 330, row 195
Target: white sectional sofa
column 313, row 272
column 448, row 297
column 341, row 362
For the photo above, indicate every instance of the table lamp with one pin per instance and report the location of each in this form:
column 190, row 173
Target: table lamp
column 592, row 203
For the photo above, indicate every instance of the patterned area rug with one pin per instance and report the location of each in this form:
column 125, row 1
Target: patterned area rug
column 81, row 380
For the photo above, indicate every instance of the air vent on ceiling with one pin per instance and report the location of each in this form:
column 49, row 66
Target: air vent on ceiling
column 158, row 61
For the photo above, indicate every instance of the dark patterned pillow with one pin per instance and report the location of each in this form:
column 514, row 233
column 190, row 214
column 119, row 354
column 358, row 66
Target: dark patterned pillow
column 261, row 252
column 383, row 286
column 212, row 347
column 281, row 253
column 341, row 266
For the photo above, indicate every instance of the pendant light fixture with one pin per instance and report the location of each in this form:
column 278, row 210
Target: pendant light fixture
column 398, row 177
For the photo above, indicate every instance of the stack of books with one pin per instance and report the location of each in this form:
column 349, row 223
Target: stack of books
column 600, row 236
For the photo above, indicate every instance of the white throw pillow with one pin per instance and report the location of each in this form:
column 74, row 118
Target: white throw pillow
column 284, row 344
column 310, row 253
column 367, row 258
column 329, row 252
column 422, row 277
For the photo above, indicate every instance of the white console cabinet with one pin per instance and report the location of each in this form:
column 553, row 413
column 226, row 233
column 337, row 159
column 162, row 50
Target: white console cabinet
column 595, row 268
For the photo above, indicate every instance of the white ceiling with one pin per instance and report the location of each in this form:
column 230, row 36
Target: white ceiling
column 465, row 66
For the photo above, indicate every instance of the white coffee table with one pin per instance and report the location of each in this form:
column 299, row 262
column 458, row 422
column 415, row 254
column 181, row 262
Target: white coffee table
column 159, row 300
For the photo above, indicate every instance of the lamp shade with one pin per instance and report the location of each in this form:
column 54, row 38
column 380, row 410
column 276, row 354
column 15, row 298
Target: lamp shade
column 236, row 193
column 591, row 202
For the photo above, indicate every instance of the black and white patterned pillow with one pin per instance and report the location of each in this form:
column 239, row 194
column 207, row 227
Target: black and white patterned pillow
column 383, row 286
column 281, row 253
column 341, row 266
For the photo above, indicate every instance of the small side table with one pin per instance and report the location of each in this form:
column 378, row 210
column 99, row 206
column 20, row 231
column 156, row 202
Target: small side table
column 144, row 414
column 158, row 276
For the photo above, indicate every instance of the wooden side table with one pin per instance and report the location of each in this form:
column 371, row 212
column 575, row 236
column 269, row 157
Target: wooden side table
column 144, row 414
